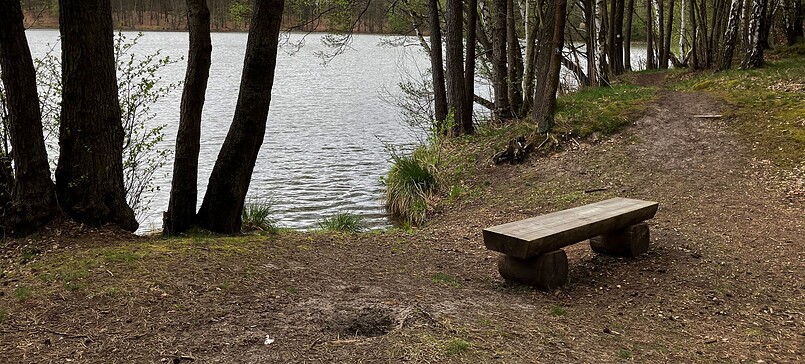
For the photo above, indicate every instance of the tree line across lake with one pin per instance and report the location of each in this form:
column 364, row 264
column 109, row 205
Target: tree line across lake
column 517, row 47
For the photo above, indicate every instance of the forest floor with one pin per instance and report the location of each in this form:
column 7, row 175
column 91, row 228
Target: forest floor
column 723, row 281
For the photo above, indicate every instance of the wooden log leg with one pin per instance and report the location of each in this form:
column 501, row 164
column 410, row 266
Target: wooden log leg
column 630, row 242
column 546, row 271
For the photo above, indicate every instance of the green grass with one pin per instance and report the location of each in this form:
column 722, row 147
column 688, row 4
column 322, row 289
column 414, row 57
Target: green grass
column 121, row 255
column 343, row 222
column 557, row 310
column 445, row 279
column 601, row 110
column 411, row 182
column 23, row 293
column 28, row 255
column 768, row 107
column 3, row 315
column 457, row 346
column 256, row 216
column 624, row 354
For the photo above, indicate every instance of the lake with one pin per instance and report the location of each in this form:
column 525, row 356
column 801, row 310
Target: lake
column 327, row 126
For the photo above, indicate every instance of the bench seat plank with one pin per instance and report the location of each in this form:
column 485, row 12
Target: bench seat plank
column 542, row 234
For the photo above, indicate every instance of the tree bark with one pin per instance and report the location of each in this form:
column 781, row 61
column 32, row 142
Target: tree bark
column 660, row 41
column 544, row 109
column 89, row 175
column 469, row 66
column 731, row 37
column 181, row 213
column 514, row 59
column 229, row 182
column 627, row 37
column 33, row 199
column 669, row 28
column 436, row 65
column 601, row 32
column 502, row 110
column 650, row 63
column 754, row 58
column 792, row 21
column 455, row 63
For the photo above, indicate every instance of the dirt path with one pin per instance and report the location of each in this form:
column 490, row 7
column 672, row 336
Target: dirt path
column 724, row 280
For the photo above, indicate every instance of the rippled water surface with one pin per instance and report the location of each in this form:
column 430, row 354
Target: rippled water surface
column 324, row 147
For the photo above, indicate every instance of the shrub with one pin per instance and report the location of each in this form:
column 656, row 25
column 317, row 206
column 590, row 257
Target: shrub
column 256, row 216
column 411, row 183
column 344, row 222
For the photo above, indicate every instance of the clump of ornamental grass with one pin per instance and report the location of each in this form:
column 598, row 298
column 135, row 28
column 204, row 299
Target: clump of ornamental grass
column 256, row 216
column 411, row 183
column 343, row 222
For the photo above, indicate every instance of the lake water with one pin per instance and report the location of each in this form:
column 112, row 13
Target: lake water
column 327, row 126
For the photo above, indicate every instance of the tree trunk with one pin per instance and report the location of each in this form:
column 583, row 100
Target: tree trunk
column 601, row 32
column 694, row 58
column 89, row 175
column 531, row 58
column 436, row 65
column 514, row 59
column 792, row 21
column 754, row 58
column 618, row 30
column 502, row 110
column 731, row 37
column 456, row 97
column 682, row 29
column 229, row 182
column 184, row 186
column 33, row 199
column 544, row 108
column 469, row 66
column 650, row 63
column 627, row 37
column 669, row 28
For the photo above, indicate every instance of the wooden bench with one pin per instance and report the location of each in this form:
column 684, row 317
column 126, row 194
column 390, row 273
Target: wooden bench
column 532, row 248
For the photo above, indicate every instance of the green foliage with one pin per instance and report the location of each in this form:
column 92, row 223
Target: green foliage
column 411, row 183
column 445, row 279
column 139, row 87
column 770, row 104
column 557, row 310
column 457, row 346
column 256, row 216
column 343, row 222
column 601, row 110
column 22, row 293
column 240, row 11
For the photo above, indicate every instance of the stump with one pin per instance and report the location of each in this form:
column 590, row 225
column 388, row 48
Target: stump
column 546, row 271
column 629, row 242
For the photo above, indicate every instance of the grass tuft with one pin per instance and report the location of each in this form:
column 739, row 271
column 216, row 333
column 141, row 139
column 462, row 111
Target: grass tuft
column 457, row 346
column 557, row 310
column 256, row 216
column 411, row 183
column 3, row 315
column 445, row 279
column 343, row 222
column 23, row 293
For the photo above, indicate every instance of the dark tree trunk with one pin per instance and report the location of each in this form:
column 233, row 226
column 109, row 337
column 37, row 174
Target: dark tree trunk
column 618, row 30
column 455, row 63
column 531, row 57
column 33, row 199
column 612, row 11
column 627, row 36
column 436, row 65
column 469, row 66
column 754, row 58
column 89, row 175
column 544, row 108
column 590, row 40
column 514, row 59
column 650, row 63
column 660, row 41
column 732, row 35
column 694, row 34
column 229, row 182
column 499, row 71
column 184, row 186
column 669, row 28
column 792, row 21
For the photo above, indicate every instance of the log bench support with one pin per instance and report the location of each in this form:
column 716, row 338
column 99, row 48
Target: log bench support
column 532, row 248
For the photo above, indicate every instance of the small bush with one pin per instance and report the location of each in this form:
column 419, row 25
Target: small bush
column 256, row 216
column 411, row 183
column 343, row 222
